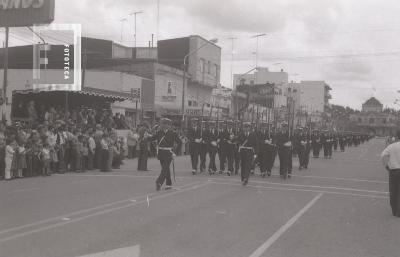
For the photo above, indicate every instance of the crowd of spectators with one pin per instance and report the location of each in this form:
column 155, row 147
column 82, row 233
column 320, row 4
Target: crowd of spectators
column 54, row 140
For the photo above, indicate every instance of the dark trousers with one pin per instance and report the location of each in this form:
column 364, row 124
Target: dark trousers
column 229, row 156
column 246, row 162
column 98, row 157
column 326, row 149
column 316, row 150
column 237, row 160
column 212, row 153
column 165, row 158
column 104, row 160
column 90, row 159
column 222, row 155
column 203, row 154
column 267, row 158
column 335, row 145
column 131, row 151
column 394, row 190
column 304, row 156
column 342, row 146
column 142, row 161
column 195, row 154
column 285, row 160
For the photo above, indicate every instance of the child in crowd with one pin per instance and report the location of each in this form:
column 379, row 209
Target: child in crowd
column 2, row 158
column 45, row 159
column 9, row 156
column 84, row 152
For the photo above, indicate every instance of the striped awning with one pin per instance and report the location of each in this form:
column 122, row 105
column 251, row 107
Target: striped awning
column 108, row 94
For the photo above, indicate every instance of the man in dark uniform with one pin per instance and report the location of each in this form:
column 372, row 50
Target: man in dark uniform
column 228, row 147
column 303, row 149
column 211, row 138
column 342, row 141
column 284, row 145
column 247, row 149
column 222, row 144
column 203, row 147
column 335, row 141
column 267, row 150
column 195, row 139
column 316, row 144
column 166, row 138
column 237, row 132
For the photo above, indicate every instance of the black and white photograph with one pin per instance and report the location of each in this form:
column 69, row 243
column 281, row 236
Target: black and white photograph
column 198, row 128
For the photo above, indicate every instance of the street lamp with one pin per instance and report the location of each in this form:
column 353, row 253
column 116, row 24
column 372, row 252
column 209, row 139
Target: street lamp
column 122, row 27
column 135, row 14
column 212, row 41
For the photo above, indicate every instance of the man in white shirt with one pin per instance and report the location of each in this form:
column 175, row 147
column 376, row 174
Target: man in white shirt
column 391, row 160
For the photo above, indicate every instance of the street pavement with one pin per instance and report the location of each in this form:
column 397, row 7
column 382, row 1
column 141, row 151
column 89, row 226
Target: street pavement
column 338, row 207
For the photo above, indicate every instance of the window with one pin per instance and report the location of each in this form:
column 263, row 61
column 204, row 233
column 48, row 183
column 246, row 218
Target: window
column 371, row 120
column 190, row 103
column 216, row 68
column 209, row 67
column 359, row 120
column 202, row 65
column 384, row 120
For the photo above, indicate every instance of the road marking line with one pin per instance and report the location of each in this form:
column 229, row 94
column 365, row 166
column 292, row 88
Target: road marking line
column 106, row 211
column 344, row 179
column 264, row 247
column 79, row 212
column 65, row 219
column 303, row 190
column 301, row 176
column 312, row 186
column 121, row 252
column 23, row 190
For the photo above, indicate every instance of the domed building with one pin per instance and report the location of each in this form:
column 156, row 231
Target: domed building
column 373, row 120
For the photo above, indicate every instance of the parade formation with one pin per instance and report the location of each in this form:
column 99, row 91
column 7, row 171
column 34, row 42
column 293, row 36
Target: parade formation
column 244, row 147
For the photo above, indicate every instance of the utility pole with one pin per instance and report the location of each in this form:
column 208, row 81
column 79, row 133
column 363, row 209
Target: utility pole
column 5, row 77
column 158, row 20
column 232, row 58
column 135, row 14
column 257, row 39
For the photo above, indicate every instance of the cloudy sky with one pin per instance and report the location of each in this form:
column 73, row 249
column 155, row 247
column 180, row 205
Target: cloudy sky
column 354, row 45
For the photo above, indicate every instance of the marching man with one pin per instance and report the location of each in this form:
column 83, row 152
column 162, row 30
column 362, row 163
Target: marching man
column 247, row 150
column 166, row 138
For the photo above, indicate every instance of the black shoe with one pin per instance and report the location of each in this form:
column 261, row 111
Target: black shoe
column 194, row 172
column 245, row 182
column 269, row 174
column 289, row 175
column 168, row 187
column 158, row 187
column 263, row 175
column 228, row 173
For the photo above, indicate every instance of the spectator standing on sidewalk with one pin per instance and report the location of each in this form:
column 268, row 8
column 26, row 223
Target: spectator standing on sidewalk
column 391, row 160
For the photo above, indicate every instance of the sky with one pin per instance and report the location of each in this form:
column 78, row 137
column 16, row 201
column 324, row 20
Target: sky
column 353, row 45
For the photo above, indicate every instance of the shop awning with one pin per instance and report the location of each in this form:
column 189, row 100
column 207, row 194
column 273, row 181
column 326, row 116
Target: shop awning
column 107, row 94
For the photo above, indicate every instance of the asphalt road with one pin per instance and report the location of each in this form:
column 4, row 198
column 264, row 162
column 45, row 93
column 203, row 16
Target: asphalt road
column 337, row 207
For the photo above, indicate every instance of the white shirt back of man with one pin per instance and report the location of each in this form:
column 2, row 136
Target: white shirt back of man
column 391, row 156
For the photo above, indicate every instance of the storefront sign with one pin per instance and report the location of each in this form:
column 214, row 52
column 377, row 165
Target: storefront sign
column 22, row 13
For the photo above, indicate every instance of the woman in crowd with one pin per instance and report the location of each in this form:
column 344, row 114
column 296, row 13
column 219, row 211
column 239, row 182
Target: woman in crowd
column 144, row 148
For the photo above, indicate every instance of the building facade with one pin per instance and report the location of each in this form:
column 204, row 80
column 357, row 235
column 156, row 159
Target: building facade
column 262, row 75
column 373, row 120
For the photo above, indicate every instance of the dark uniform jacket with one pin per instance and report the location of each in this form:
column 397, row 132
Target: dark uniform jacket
column 248, row 141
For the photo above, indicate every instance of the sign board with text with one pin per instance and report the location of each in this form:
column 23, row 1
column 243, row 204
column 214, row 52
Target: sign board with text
column 22, row 13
